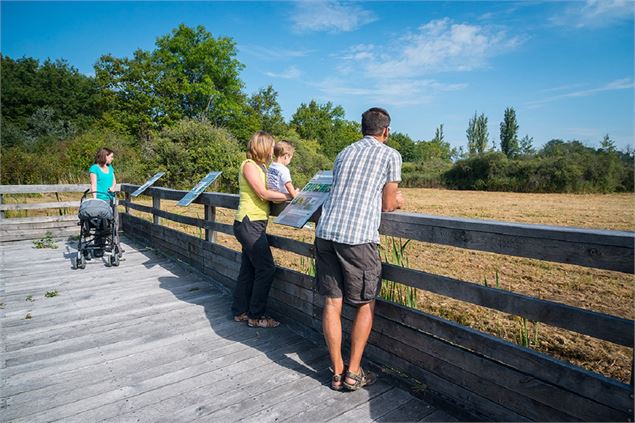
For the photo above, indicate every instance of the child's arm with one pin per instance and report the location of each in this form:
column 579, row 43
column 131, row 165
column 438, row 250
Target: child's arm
column 289, row 186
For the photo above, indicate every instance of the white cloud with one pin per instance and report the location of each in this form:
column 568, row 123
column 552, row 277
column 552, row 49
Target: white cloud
column 596, row 13
column 268, row 53
column 291, row 72
column 329, row 16
column 619, row 84
column 438, row 46
column 395, row 92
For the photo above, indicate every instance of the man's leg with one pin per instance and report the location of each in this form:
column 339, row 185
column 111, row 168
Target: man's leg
column 362, row 326
column 332, row 326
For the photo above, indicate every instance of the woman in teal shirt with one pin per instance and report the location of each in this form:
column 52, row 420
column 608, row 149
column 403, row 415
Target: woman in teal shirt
column 102, row 175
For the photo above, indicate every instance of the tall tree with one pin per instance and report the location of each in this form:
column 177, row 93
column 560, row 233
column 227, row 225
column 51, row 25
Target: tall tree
column 265, row 105
column 326, row 124
column 607, row 144
column 189, row 74
column 477, row 134
column 526, row 146
column 438, row 134
column 509, row 133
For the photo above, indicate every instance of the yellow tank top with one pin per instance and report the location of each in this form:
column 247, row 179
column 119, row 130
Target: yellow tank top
column 250, row 204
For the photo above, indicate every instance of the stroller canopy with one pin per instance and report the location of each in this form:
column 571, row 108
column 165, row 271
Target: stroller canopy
column 94, row 210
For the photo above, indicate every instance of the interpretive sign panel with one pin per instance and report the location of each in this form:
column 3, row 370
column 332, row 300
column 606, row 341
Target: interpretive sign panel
column 198, row 189
column 147, row 184
column 312, row 196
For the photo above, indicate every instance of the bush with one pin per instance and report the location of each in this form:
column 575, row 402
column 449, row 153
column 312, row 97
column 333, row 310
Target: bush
column 189, row 150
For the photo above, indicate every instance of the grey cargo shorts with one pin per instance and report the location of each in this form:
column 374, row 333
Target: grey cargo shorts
column 352, row 272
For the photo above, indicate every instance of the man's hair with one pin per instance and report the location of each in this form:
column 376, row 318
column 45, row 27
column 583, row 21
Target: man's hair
column 283, row 147
column 374, row 120
column 259, row 147
column 102, row 153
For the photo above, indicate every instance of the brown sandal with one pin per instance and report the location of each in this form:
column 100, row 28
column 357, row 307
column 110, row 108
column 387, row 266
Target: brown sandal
column 241, row 317
column 263, row 322
column 337, row 380
column 361, row 379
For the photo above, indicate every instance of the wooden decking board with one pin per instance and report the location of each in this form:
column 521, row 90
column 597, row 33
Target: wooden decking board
column 152, row 340
column 382, row 405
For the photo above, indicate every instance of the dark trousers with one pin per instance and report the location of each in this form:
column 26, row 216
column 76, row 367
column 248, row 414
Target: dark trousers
column 256, row 269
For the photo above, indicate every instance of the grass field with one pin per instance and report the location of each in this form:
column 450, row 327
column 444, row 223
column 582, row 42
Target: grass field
column 598, row 290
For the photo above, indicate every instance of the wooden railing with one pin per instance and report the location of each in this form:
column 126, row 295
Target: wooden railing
column 33, row 227
column 490, row 377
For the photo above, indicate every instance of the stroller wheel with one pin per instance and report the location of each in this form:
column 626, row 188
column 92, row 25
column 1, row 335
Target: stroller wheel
column 80, row 261
column 114, row 259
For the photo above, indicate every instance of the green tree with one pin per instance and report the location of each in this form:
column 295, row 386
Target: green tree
column 477, row 134
column 326, row 124
column 51, row 98
column 607, row 144
column 526, row 146
column 265, row 105
column 404, row 144
column 509, row 133
column 189, row 74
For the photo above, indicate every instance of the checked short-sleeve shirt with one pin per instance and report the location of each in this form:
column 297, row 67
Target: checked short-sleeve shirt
column 352, row 213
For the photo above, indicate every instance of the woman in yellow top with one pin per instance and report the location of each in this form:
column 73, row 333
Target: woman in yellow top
column 257, row 266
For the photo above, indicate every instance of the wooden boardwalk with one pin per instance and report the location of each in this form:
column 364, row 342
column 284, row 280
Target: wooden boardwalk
column 153, row 341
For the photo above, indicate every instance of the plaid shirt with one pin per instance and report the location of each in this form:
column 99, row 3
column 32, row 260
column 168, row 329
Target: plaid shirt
column 352, row 213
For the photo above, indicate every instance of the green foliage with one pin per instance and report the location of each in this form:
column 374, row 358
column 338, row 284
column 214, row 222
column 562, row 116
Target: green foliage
column 477, row 134
column 559, row 167
column 509, row 133
column 51, row 98
column 46, row 242
column 307, row 159
column 51, row 294
column 325, row 124
column 393, row 291
column 188, row 74
column 265, row 104
column 190, row 149
column 404, row 145
column 428, row 174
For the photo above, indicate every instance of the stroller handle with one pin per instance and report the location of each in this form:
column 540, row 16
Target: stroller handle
column 111, row 194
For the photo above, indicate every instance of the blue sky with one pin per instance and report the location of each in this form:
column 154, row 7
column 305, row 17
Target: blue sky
column 566, row 67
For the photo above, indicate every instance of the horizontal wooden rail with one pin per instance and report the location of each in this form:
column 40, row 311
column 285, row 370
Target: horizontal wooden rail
column 42, row 189
column 597, row 325
column 38, row 206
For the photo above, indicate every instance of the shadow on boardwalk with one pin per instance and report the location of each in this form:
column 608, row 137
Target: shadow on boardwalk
column 275, row 374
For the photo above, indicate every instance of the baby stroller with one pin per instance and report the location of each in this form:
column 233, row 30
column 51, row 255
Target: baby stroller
column 99, row 234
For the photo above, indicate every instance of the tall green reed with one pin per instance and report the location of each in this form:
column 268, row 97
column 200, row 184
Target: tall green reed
column 395, row 254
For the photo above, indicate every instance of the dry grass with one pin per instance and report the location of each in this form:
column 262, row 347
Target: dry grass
column 598, row 290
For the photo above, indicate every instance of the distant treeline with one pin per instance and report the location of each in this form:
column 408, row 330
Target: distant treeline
column 181, row 108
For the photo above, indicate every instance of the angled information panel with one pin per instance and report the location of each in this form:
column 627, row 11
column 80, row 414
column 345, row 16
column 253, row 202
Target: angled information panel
column 312, row 196
column 147, row 184
column 198, row 189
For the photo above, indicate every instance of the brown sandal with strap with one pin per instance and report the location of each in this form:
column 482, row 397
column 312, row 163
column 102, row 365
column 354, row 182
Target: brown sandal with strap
column 337, row 380
column 361, row 379
column 241, row 317
column 263, row 322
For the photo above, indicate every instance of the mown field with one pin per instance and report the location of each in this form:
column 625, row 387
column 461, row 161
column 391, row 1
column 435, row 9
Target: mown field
column 598, row 290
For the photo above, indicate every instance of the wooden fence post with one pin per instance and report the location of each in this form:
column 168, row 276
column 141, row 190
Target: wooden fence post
column 210, row 216
column 127, row 198
column 1, row 211
column 156, row 204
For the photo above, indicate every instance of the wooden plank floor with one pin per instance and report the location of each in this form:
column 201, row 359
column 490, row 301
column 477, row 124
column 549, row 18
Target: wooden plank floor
column 153, row 341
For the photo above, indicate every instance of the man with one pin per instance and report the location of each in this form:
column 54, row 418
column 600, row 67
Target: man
column 365, row 180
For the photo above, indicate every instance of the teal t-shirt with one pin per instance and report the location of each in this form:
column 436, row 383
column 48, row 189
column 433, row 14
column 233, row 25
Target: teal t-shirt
column 104, row 180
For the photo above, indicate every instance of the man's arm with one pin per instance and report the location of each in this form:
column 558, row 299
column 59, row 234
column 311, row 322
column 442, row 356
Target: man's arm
column 391, row 199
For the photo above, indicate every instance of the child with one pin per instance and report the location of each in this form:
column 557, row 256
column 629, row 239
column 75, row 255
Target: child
column 278, row 175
